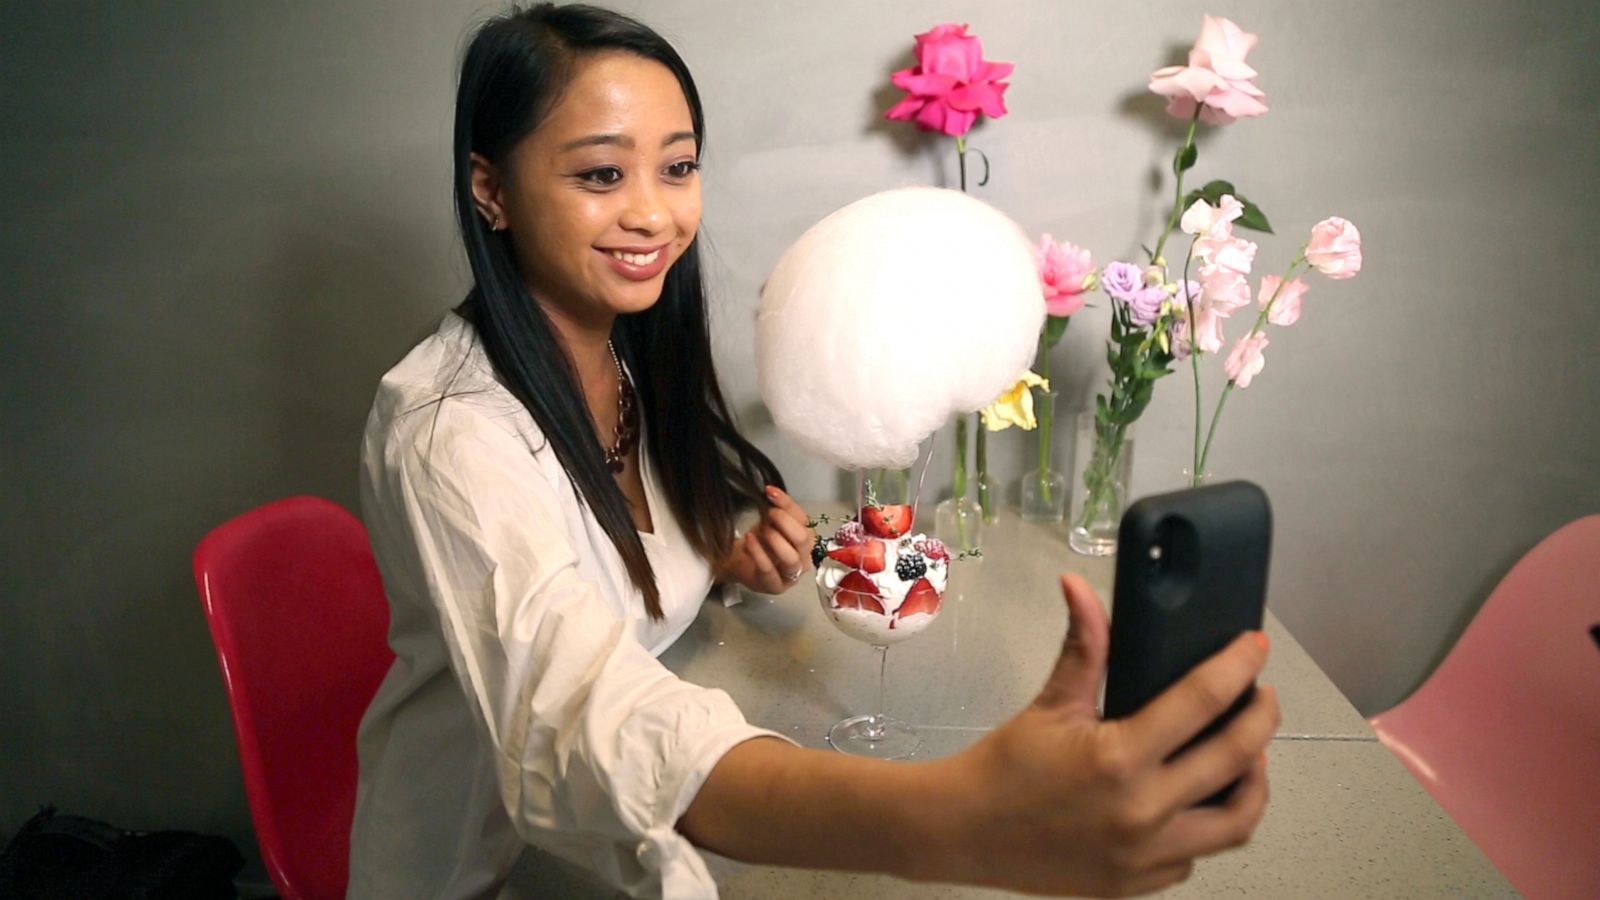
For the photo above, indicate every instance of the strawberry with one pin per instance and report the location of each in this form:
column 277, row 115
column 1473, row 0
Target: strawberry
column 868, row 556
column 922, row 598
column 887, row 521
column 856, row 591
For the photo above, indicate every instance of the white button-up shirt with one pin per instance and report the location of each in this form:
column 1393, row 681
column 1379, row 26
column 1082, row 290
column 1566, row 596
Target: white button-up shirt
column 525, row 703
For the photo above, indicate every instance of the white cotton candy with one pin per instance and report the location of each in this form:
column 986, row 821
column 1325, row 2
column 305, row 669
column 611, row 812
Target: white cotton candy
column 891, row 315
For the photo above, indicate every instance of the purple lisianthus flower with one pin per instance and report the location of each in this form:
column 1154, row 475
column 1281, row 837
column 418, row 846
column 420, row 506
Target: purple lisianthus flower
column 1122, row 280
column 1144, row 307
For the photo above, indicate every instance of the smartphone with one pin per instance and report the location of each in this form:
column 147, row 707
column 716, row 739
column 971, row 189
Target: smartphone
column 1191, row 576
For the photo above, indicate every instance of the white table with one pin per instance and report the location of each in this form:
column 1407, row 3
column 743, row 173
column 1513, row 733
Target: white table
column 1346, row 820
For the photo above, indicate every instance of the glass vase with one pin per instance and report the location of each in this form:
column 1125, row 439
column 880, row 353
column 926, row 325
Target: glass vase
column 1043, row 488
column 1103, row 463
column 958, row 522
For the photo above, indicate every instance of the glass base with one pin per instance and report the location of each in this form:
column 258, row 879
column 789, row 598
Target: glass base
column 880, row 737
column 1092, row 543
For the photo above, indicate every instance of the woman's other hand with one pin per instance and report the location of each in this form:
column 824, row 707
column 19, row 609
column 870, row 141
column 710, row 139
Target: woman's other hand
column 776, row 551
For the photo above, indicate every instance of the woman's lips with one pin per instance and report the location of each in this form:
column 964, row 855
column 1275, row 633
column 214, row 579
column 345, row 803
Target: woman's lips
column 636, row 263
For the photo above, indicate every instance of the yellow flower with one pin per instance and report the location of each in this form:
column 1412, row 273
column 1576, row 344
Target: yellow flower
column 1015, row 406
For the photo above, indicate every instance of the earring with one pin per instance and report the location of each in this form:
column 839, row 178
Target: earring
column 499, row 223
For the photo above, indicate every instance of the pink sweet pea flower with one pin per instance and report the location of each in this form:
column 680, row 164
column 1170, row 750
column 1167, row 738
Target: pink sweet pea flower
column 1286, row 309
column 1246, row 360
column 1216, row 78
column 1236, row 255
column 1223, row 290
column 1212, row 221
column 1064, row 269
column 1209, row 331
column 1335, row 248
column 951, row 83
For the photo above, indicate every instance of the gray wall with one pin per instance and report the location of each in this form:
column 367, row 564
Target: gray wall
column 222, row 222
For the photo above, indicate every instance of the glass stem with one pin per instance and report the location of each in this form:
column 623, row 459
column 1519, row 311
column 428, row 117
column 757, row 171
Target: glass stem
column 883, row 668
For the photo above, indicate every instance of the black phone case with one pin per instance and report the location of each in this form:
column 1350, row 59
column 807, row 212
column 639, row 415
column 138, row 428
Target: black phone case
column 1205, row 585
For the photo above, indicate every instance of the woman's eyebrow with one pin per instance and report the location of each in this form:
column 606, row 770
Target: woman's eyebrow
column 623, row 141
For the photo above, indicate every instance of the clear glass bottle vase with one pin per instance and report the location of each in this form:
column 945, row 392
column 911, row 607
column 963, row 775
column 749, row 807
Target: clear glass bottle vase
column 1102, row 467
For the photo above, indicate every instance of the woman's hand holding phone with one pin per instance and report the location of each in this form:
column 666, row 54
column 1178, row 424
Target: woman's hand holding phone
column 1059, row 801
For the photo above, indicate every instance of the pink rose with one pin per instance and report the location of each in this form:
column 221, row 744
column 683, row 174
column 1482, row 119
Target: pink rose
column 1063, row 271
column 1216, row 78
column 1286, row 309
column 951, row 83
column 1246, row 361
column 1335, row 248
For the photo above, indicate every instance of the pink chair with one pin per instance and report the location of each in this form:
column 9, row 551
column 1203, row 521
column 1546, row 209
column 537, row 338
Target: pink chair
column 1505, row 734
column 299, row 619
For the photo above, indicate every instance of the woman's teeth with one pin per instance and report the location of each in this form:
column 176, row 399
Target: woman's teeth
column 637, row 259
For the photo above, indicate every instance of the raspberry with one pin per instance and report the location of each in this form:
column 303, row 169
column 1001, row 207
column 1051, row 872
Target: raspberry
column 850, row 534
column 933, row 548
column 911, row 567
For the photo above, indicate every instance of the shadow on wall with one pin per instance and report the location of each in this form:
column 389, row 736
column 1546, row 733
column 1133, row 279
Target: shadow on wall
column 245, row 369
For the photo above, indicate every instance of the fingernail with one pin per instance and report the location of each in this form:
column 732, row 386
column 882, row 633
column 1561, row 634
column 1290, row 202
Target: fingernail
column 1261, row 640
column 773, row 492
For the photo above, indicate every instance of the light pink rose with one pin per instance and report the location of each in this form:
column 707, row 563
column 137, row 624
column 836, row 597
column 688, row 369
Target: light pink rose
column 1286, row 309
column 1212, row 221
column 951, row 83
column 1246, row 360
column 1335, row 248
column 1063, row 270
column 1216, row 78
column 1223, row 290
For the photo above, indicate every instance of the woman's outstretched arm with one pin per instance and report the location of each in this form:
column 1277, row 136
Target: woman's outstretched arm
column 1055, row 801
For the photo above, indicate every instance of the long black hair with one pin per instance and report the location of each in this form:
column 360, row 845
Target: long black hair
column 514, row 72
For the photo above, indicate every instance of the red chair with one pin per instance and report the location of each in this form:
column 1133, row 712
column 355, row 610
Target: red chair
column 298, row 615
column 1505, row 734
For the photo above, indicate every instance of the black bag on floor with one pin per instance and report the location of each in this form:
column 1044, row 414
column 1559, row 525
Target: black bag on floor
column 72, row 857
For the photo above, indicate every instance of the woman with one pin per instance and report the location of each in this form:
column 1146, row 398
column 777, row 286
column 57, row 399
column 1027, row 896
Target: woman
column 551, row 480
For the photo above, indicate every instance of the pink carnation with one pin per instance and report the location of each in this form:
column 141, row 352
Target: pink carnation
column 1246, row 360
column 1063, row 270
column 1217, row 80
column 951, row 83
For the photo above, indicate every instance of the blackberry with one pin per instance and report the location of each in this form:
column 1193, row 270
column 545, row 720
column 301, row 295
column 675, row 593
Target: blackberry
column 911, row 567
column 819, row 552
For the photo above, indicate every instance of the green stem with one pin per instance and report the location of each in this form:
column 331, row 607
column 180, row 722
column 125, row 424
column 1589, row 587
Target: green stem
column 982, row 467
column 1177, row 199
column 1046, row 414
column 1194, row 362
column 959, row 485
column 961, row 159
column 961, row 482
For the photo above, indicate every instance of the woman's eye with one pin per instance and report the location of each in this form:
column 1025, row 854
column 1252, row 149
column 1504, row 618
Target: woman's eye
column 605, row 176
column 681, row 171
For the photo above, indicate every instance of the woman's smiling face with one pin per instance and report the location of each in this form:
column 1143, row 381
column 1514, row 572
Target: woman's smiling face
column 604, row 196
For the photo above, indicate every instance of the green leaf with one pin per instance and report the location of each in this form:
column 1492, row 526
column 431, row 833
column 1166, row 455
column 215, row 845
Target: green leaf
column 1185, row 159
column 1214, row 190
column 1253, row 218
column 1111, row 358
column 1054, row 328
